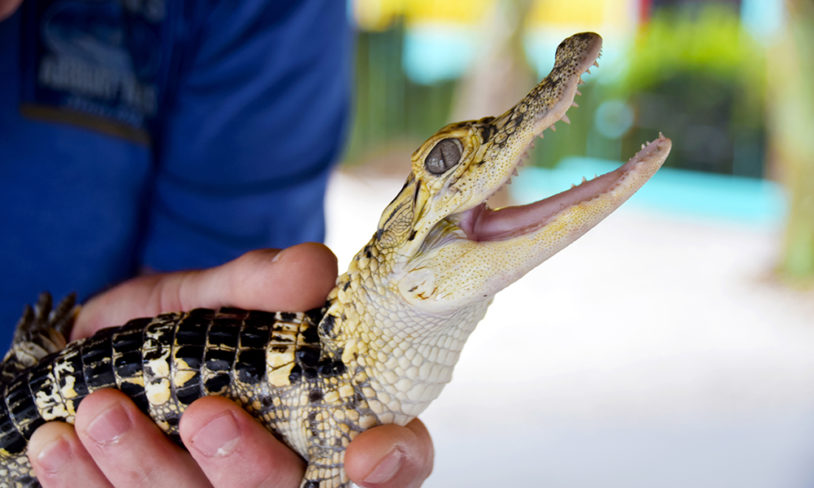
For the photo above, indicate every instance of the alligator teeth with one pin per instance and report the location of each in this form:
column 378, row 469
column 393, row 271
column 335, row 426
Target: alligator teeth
column 596, row 63
column 574, row 104
column 566, row 119
column 579, row 92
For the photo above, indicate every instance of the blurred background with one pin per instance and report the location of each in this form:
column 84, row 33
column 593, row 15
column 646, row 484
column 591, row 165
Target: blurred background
column 673, row 346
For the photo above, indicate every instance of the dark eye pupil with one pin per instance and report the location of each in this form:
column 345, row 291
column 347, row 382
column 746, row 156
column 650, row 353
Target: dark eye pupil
column 445, row 155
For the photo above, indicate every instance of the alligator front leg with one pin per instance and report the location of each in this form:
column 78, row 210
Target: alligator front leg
column 341, row 405
column 325, row 469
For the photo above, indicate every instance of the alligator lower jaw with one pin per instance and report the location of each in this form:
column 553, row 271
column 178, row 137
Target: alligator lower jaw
column 483, row 224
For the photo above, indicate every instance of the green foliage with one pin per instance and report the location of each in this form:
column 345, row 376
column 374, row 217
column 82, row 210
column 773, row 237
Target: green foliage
column 693, row 73
column 697, row 75
column 707, row 42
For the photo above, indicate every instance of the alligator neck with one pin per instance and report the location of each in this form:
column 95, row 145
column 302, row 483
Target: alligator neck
column 408, row 355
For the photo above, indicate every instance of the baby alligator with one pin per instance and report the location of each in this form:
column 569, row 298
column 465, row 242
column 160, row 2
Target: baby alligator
column 391, row 331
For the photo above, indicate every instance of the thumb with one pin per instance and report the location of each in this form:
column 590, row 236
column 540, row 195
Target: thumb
column 295, row 279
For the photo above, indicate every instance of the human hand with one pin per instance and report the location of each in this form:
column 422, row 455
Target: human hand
column 114, row 444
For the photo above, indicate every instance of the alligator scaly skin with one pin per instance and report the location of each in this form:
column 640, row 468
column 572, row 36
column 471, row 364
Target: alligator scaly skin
column 270, row 363
column 386, row 341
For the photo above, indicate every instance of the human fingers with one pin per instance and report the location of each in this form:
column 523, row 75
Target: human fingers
column 129, row 448
column 234, row 450
column 295, row 279
column 59, row 458
column 390, row 456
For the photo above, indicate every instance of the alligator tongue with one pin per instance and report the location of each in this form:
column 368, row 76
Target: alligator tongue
column 482, row 223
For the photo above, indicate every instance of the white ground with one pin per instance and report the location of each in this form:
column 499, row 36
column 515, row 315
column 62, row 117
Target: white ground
column 654, row 352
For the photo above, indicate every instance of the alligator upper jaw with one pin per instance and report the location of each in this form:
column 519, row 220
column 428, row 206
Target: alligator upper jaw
column 593, row 200
column 585, row 204
column 540, row 109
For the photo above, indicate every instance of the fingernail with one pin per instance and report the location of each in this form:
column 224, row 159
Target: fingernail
column 219, row 437
column 387, row 467
column 108, row 428
column 54, row 455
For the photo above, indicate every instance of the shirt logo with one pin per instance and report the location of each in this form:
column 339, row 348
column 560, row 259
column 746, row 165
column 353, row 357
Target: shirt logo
column 93, row 63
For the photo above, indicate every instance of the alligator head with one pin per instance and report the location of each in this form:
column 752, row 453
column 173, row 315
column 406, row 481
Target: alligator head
column 449, row 249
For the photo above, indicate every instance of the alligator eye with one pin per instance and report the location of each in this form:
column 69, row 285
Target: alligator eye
column 445, row 155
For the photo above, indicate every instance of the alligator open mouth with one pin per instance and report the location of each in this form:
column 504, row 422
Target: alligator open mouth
column 557, row 92
column 482, row 223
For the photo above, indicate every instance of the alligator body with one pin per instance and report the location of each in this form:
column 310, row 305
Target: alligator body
column 389, row 335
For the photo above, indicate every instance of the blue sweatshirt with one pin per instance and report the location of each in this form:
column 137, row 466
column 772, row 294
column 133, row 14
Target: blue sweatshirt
column 162, row 134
